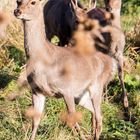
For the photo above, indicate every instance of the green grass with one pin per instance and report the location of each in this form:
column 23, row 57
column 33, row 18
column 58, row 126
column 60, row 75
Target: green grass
column 14, row 125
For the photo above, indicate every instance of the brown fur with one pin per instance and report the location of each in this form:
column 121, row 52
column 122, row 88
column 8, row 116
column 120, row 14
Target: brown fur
column 31, row 112
column 5, row 19
column 72, row 119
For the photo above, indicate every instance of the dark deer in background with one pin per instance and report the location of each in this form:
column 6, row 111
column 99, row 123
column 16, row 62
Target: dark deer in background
column 60, row 20
column 47, row 72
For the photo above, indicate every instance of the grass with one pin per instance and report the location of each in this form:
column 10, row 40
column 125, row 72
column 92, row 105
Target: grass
column 14, row 125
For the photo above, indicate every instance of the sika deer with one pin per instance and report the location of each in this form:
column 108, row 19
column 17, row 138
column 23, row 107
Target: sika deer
column 118, row 42
column 47, row 71
column 114, row 40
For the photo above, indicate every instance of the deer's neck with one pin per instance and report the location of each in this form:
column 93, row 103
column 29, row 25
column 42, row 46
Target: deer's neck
column 34, row 37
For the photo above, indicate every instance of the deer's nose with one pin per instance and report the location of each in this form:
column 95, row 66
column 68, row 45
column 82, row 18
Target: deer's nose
column 17, row 12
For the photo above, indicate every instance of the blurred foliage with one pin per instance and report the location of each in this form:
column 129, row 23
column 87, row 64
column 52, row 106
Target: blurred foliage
column 131, row 7
column 115, row 128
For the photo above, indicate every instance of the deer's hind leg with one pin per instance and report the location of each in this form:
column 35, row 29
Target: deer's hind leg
column 86, row 102
column 121, row 78
column 117, row 50
column 96, row 97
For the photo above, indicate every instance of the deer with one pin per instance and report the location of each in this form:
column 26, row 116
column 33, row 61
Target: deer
column 62, row 20
column 115, row 41
column 65, row 72
column 114, row 6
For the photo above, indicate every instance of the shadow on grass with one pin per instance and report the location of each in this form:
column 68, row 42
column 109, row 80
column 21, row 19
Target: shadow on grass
column 5, row 78
column 17, row 55
column 138, row 135
column 12, row 60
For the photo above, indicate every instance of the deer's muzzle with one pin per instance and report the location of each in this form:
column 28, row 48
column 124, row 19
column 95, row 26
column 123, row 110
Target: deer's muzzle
column 17, row 12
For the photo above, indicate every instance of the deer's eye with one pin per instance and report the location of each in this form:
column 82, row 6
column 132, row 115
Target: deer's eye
column 33, row 2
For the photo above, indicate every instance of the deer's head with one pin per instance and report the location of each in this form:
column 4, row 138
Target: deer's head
column 27, row 9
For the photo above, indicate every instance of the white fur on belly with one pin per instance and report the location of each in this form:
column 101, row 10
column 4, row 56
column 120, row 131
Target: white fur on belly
column 86, row 102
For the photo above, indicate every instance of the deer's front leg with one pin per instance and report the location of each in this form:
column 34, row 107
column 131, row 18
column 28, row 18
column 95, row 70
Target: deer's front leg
column 38, row 106
column 73, row 117
column 69, row 100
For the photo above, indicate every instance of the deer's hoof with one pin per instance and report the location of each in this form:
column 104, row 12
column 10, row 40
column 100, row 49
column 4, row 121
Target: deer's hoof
column 125, row 102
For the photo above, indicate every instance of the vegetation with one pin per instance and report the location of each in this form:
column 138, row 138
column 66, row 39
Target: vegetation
column 14, row 125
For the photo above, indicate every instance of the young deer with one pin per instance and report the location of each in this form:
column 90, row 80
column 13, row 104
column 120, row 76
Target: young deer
column 64, row 72
column 115, row 40
column 118, row 42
